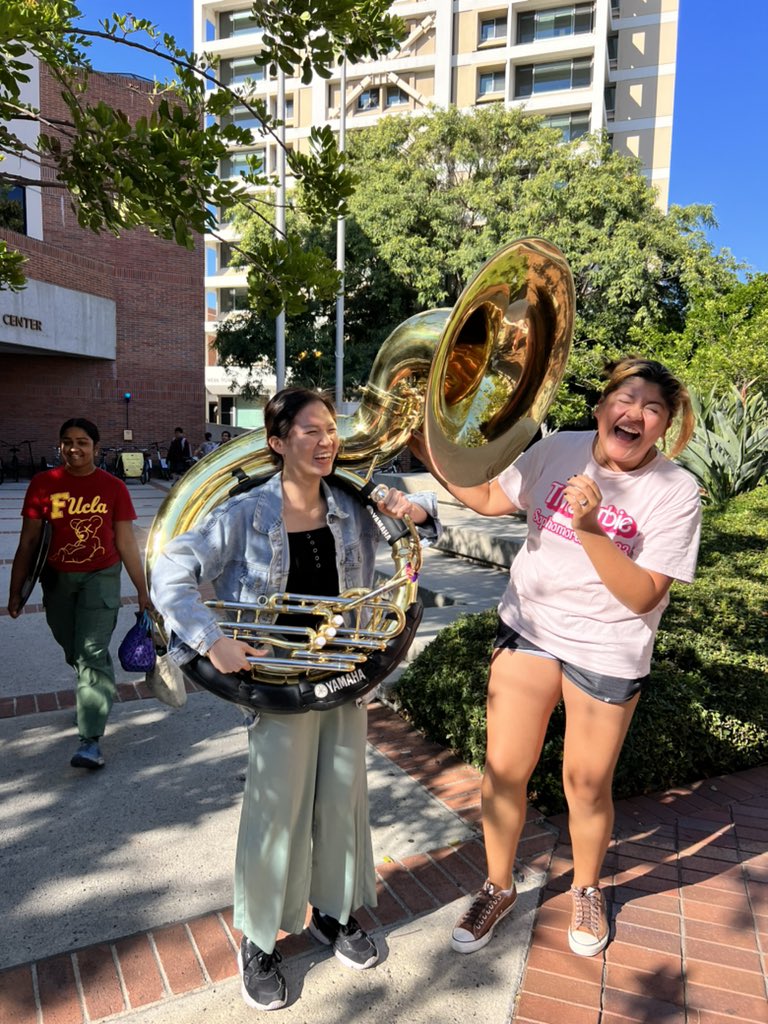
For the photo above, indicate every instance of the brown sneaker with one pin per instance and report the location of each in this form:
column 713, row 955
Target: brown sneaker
column 475, row 928
column 588, row 934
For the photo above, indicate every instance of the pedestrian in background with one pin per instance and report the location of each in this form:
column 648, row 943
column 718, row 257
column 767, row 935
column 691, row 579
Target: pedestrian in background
column 179, row 453
column 91, row 516
column 208, row 446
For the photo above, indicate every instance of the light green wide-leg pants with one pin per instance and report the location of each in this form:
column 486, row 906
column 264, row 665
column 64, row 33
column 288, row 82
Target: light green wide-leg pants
column 304, row 832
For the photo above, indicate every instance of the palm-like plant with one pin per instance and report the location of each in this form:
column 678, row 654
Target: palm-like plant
column 728, row 453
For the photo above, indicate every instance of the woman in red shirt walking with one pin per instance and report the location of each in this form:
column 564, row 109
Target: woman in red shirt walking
column 91, row 517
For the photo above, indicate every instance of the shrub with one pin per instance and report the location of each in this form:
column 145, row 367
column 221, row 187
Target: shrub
column 728, row 453
column 705, row 710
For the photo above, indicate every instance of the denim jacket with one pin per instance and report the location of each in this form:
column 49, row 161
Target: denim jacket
column 242, row 549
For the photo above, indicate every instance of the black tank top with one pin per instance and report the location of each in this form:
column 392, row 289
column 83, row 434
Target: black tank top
column 312, row 570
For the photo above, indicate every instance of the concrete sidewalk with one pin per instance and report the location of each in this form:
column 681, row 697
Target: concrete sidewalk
column 116, row 892
column 137, row 859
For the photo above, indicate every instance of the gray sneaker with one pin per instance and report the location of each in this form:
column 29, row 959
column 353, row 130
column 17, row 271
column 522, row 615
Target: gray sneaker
column 354, row 947
column 263, row 986
column 474, row 929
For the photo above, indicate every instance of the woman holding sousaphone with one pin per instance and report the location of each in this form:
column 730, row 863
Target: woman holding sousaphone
column 304, row 833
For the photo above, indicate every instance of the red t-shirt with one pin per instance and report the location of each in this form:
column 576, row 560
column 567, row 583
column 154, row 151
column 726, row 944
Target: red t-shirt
column 82, row 511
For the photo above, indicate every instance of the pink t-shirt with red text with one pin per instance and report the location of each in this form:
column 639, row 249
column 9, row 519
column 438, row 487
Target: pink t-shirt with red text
column 555, row 597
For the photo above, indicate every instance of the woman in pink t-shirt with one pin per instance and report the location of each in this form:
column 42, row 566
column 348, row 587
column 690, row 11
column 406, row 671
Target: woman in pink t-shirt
column 611, row 523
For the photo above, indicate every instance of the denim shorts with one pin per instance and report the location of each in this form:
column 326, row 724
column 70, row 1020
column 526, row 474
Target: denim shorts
column 609, row 689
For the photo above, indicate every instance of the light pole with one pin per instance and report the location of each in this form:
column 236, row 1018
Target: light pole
column 280, row 226
column 340, row 245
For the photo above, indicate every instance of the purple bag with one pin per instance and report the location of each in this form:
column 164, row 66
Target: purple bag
column 137, row 650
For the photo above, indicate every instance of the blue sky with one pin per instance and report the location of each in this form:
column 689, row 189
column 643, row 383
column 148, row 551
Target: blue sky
column 719, row 141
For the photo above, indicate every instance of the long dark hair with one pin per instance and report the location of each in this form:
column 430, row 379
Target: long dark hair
column 283, row 408
column 77, row 421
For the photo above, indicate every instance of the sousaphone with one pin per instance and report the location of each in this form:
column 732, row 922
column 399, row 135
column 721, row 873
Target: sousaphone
column 478, row 379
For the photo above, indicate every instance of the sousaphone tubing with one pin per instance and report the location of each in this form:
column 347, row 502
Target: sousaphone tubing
column 478, row 379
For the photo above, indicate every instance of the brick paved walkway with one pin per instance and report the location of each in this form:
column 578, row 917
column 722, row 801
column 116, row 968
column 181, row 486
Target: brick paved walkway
column 690, row 910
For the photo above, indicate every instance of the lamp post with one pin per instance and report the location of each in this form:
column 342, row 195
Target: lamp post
column 340, row 245
column 280, row 226
column 127, row 434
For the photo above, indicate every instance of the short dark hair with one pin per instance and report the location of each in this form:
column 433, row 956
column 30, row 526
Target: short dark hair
column 283, row 408
column 178, row 430
column 77, row 421
column 208, row 435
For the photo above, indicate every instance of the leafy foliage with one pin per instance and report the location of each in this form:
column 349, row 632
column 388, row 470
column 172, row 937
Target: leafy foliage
column 705, row 709
column 724, row 341
column 728, row 453
column 246, row 338
column 120, row 173
column 437, row 194
column 359, row 29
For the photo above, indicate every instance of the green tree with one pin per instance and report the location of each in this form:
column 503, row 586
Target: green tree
column 246, row 340
column 438, row 194
column 120, row 175
column 724, row 342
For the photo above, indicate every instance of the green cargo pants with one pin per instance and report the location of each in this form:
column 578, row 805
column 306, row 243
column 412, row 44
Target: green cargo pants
column 81, row 610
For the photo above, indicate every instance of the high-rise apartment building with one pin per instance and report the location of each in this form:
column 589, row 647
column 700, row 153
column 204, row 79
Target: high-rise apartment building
column 585, row 66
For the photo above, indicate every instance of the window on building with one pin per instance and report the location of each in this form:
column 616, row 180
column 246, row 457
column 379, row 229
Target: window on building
column 613, row 49
column 211, row 262
column 237, row 163
column 396, row 97
column 490, row 82
column 243, row 117
column 610, row 99
column 531, row 79
column 13, row 209
column 557, row 21
column 232, row 299
column 227, row 411
column 368, row 100
column 229, row 256
column 241, row 69
column 289, row 107
column 493, row 29
column 237, row 23
column 572, row 125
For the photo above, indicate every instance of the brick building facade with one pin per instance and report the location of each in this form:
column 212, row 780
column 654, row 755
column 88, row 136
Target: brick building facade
column 132, row 322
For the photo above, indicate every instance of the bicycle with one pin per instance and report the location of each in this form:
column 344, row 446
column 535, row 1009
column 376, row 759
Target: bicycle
column 102, row 462
column 161, row 454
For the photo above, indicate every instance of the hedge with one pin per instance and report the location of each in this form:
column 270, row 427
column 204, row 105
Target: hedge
column 705, row 710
